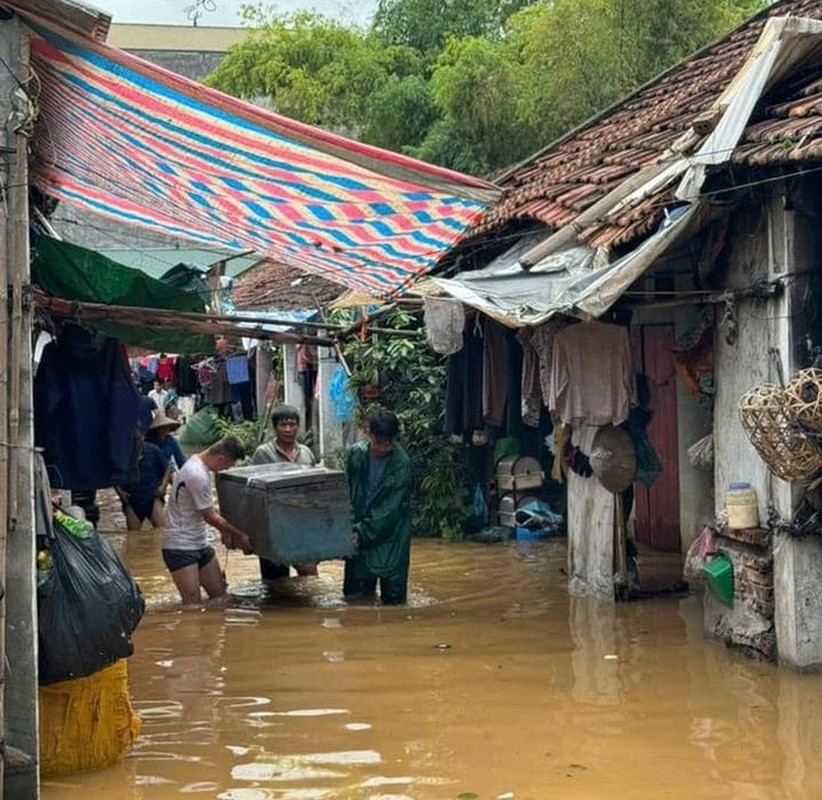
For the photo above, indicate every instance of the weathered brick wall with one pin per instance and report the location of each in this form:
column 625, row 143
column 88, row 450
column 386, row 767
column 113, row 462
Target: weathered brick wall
column 749, row 625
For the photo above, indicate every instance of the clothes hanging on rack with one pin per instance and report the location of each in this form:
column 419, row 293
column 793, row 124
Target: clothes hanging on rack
column 86, row 410
column 592, row 377
column 165, row 368
column 218, row 390
column 494, row 373
column 237, row 369
column 531, row 393
column 444, row 320
column 185, row 378
column 463, row 393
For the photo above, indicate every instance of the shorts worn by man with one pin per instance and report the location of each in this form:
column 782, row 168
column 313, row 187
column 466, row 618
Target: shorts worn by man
column 186, row 552
column 379, row 482
column 284, row 449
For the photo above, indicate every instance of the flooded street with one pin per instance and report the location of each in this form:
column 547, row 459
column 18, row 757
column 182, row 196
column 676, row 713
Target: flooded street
column 491, row 683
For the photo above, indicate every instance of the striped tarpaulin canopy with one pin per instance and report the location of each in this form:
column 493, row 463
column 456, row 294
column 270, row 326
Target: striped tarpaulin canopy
column 126, row 139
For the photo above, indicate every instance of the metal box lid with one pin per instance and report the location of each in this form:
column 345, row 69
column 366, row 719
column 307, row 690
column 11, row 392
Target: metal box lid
column 278, row 475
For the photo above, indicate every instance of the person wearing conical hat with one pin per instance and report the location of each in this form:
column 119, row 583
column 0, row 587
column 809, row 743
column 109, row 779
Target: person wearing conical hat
column 161, row 433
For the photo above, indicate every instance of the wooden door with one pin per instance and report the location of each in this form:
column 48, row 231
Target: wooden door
column 657, row 506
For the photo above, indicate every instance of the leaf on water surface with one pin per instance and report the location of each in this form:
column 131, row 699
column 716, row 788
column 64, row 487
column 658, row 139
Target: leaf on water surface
column 467, row 796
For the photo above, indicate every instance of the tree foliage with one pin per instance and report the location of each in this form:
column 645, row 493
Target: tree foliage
column 313, row 69
column 426, row 25
column 410, row 380
column 474, row 85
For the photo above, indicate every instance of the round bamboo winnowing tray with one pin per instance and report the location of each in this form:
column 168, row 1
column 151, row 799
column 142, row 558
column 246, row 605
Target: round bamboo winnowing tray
column 765, row 416
column 803, row 396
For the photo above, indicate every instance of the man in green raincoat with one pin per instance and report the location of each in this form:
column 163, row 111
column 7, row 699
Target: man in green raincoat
column 379, row 482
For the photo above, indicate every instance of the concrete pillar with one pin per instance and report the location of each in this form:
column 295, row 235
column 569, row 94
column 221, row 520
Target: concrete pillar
column 797, row 561
column 331, row 439
column 798, row 596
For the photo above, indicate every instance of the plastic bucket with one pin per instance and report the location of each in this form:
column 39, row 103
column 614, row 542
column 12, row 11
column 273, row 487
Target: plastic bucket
column 742, row 506
column 719, row 573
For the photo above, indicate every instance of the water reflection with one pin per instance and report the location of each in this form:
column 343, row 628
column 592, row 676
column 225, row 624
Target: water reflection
column 493, row 682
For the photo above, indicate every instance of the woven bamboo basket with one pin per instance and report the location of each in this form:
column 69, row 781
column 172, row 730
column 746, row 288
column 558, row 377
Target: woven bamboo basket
column 766, row 418
column 803, row 396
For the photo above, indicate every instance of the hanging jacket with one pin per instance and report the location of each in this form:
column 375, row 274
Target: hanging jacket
column 86, row 411
column 383, row 523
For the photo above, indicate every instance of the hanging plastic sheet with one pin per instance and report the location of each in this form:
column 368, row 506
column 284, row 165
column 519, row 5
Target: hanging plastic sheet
column 342, row 398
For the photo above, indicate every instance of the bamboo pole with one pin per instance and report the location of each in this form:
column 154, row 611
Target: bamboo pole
column 164, row 319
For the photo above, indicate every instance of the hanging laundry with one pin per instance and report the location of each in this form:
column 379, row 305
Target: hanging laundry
column 463, row 392
column 237, row 369
column 205, row 372
column 86, row 411
column 185, row 378
column 217, row 391
column 543, row 342
column 165, row 368
column 531, row 401
column 444, row 320
column 695, row 360
column 592, row 379
column 494, row 373
column 513, row 403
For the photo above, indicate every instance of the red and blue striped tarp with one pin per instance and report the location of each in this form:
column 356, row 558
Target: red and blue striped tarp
column 126, row 139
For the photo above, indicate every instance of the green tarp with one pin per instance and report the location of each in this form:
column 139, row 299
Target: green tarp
column 74, row 273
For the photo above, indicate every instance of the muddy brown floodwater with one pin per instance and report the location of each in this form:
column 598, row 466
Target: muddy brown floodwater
column 492, row 683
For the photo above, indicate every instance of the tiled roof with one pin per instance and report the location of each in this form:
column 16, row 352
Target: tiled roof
column 569, row 176
column 271, row 286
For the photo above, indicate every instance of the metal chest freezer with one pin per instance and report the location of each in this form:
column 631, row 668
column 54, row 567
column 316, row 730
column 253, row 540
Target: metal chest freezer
column 292, row 513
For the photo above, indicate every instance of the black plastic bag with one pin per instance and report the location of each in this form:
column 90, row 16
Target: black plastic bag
column 88, row 606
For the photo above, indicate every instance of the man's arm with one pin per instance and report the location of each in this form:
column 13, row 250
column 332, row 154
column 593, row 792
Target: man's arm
column 232, row 537
column 164, row 483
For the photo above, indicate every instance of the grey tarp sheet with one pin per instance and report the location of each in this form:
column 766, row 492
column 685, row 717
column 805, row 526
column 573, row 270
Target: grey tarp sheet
column 568, row 282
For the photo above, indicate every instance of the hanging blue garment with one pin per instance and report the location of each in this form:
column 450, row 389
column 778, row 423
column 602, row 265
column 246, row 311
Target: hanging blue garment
column 237, row 369
column 342, row 398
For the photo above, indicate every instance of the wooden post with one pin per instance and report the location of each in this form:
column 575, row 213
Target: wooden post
column 4, row 461
column 17, row 563
column 620, row 553
column 262, row 374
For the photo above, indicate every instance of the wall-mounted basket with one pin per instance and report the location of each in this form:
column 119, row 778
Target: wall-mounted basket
column 803, row 396
column 765, row 412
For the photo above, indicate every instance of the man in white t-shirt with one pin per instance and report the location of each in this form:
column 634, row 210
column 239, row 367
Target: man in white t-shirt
column 186, row 552
column 159, row 395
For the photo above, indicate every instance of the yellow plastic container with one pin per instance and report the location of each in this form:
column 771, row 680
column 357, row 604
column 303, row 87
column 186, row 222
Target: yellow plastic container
column 86, row 723
column 742, row 506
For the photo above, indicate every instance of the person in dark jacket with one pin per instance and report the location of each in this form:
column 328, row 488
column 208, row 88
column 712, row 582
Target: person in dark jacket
column 379, row 482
